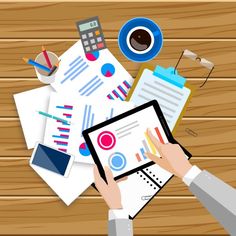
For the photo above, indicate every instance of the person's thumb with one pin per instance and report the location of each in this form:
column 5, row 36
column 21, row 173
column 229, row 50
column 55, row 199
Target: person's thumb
column 122, row 179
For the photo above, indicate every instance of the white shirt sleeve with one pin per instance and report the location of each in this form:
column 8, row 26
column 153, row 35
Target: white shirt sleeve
column 191, row 175
column 118, row 214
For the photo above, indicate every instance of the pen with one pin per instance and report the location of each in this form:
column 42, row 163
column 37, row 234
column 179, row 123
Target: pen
column 46, row 57
column 54, row 68
column 53, row 117
column 34, row 63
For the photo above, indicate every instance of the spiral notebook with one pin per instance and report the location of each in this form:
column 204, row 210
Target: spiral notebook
column 141, row 187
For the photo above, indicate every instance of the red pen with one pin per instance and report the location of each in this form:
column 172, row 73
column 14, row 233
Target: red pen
column 46, row 57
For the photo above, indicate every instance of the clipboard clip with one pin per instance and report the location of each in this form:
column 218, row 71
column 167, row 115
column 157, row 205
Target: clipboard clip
column 202, row 61
column 170, row 75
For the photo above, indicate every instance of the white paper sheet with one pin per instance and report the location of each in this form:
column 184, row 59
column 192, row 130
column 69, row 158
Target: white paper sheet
column 98, row 74
column 82, row 112
column 27, row 103
column 68, row 189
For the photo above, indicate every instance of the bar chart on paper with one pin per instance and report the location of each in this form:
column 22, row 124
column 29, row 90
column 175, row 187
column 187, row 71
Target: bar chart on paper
column 62, row 136
column 120, row 92
column 83, row 113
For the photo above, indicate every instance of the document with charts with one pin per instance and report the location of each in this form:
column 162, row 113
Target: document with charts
column 98, row 73
column 82, row 113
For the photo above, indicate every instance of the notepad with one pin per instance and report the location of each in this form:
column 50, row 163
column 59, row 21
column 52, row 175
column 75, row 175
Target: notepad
column 166, row 86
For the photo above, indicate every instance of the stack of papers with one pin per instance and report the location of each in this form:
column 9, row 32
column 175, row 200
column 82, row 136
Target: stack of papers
column 99, row 76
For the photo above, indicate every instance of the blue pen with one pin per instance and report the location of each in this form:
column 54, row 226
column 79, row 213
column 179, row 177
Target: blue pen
column 34, row 63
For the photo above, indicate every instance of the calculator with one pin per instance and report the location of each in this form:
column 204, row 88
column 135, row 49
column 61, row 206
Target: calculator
column 91, row 34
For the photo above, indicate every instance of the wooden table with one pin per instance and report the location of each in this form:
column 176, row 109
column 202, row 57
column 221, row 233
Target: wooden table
column 27, row 205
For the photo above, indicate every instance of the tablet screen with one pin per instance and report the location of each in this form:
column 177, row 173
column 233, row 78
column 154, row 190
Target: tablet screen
column 121, row 144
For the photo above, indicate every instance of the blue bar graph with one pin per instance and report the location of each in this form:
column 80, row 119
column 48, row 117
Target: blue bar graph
column 84, row 118
column 88, row 119
column 142, row 151
column 66, row 107
column 59, row 136
column 112, row 111
column 111, row 114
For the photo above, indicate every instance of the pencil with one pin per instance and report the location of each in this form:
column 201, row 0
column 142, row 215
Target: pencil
column 54, row 68
column 36, row 64
column 46, row 57
column 53, row 117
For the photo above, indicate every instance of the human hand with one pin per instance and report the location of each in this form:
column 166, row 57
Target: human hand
column 172, row 158
column 110, row 190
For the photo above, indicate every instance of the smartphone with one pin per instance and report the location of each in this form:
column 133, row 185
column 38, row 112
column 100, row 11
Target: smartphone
column 52, row 159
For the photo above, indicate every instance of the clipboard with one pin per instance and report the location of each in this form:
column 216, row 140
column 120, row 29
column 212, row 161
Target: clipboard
column 161, row 80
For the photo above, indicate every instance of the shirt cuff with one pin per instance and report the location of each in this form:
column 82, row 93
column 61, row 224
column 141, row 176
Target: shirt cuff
column 191, row 175
column 118, row 214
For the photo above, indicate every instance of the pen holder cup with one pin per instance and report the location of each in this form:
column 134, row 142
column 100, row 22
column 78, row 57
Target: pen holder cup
column 43, row 75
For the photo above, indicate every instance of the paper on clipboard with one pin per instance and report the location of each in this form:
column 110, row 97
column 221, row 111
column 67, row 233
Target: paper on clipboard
column 164, row 85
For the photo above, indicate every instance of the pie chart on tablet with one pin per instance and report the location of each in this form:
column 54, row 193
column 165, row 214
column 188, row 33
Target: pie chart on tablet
column 108, row 70
column 83, row 150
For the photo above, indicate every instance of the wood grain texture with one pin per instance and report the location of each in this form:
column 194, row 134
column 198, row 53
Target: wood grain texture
column 215, row 137
column 177, row 20
column 163, row 216
column 216, row 98
column 221, row 53
column 19, row 179
column 27, row 205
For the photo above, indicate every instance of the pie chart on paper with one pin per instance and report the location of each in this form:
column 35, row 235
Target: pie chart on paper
column 92, row 56
column 83, row 150
column 108, row 70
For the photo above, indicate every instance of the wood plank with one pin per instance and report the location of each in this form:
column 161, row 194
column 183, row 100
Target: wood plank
column 222, row 53
column 177, row 20
column 18, row 178
column 216, row 98
column 49, row 216
column 214, row 137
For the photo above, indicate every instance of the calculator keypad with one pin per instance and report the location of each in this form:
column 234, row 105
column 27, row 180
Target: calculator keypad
column 92, row 41
column 86, row 43
column 84, row 36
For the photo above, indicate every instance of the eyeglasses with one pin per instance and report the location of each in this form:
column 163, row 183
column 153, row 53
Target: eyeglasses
column 202, row 61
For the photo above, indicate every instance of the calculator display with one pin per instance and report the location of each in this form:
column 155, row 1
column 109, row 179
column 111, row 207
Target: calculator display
column 88, row 25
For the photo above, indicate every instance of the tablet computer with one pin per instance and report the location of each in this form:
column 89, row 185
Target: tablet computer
column 121, row 142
